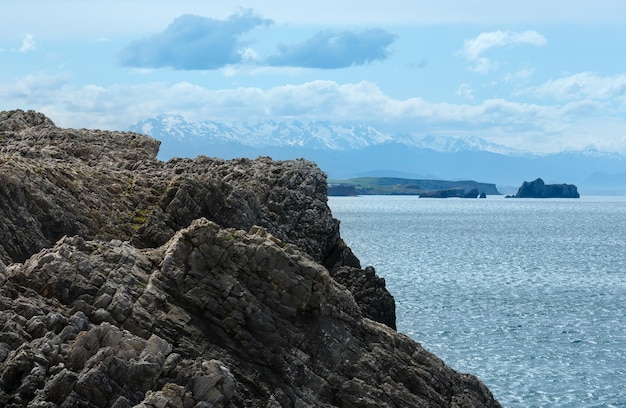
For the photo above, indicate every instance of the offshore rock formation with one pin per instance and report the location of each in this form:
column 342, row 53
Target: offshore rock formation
column 538, row 189
column 126, row 281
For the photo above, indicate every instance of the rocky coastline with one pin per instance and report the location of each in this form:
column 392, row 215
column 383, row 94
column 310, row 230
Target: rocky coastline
column 126, row 281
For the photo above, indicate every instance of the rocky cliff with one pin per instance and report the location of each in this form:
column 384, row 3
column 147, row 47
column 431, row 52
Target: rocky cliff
column 538, row 189
column 126, row 281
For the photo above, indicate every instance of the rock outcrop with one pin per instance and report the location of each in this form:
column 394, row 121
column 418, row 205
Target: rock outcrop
column 538, row 189
column 126, row 281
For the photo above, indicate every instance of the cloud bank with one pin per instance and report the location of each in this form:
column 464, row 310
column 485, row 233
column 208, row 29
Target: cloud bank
column 549, row 127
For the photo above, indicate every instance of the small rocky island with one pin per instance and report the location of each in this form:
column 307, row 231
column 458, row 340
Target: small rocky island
column 126, row 281
column 538, row 189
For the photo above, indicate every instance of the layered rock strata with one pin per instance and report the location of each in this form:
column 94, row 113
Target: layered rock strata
column 126, row 281
column 109, row 185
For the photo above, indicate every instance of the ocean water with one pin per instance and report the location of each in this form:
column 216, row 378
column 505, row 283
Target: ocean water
column 527, row 294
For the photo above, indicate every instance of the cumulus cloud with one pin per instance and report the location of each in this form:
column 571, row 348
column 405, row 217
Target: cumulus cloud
column 335, row 49
column 28, row 43
column 474, row 48
column 192, row 42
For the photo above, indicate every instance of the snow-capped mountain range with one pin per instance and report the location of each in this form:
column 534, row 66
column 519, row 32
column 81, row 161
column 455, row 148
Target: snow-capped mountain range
column 312, row 135
column 345, row 150
column 315, row 134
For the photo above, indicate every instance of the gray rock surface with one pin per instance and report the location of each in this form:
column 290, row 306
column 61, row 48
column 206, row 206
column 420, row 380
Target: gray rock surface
column 101, row 184
column 125, row 281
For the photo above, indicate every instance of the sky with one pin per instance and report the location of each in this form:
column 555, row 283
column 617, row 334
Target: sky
column 541, row 76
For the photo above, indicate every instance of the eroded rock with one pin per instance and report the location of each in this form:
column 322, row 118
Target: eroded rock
column 125, row 281
column 215, row 316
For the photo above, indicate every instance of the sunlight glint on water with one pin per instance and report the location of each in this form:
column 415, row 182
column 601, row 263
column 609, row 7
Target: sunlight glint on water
column 529, row 295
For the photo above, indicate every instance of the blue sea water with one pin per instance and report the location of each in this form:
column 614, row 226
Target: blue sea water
column 527, row 294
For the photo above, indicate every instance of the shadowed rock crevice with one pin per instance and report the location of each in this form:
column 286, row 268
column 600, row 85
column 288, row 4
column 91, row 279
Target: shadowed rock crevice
column 126, row 281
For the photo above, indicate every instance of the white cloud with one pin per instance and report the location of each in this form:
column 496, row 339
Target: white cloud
column 546, row 127
column 474, row 48
column 28, row 43
column 483, row 65
column 583, row 85
column 34, row 86
column 465, row 91
column 519, row 76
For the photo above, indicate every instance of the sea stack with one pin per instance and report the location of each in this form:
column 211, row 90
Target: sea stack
column 538, row 189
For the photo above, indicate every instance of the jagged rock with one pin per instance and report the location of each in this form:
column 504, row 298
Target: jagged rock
column 18, row 120
column 125, row 281
column 538, row 189
column 105, row 185
column 369, row 291
column 216, row 316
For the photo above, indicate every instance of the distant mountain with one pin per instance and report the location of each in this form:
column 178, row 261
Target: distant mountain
column 314, row 134
column 345, row 150
column 446, row 144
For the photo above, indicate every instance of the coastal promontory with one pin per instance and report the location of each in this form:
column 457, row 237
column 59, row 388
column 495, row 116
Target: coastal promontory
column 127, row 281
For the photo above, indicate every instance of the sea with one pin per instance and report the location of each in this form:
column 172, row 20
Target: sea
column 527, row 294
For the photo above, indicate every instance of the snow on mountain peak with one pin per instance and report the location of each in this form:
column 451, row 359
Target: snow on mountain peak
column 312, row 134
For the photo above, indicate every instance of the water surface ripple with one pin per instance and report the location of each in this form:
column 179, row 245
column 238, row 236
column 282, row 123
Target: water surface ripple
column 528, row 294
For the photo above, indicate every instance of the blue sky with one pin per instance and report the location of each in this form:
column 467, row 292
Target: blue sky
column 536, row 75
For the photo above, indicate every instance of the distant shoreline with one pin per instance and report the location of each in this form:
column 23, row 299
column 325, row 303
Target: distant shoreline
column 403, row 186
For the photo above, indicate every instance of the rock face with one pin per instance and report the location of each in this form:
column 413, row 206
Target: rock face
column 126, row 281
column 538, row 189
